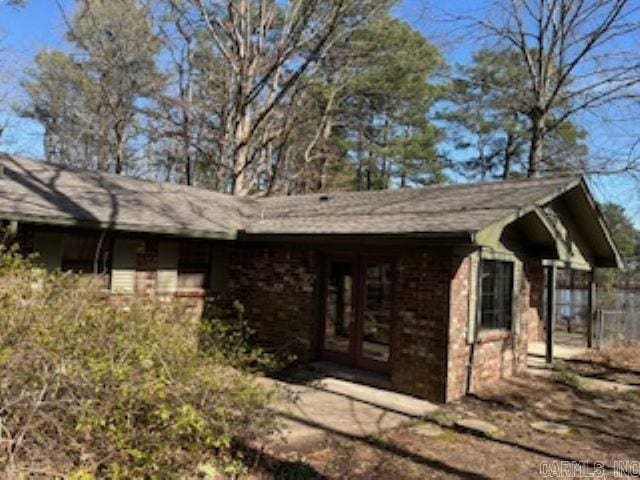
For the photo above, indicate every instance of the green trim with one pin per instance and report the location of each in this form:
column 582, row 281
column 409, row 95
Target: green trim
column 464, row 237
column 516, row 263
column 121, row 227
column 486, row 254
column 489, row 237
column 561, row 190
column 602, row 224
column 567, row 264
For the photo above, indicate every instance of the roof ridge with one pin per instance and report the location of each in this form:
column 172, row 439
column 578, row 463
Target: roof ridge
column 256, row 200
column 559, row 179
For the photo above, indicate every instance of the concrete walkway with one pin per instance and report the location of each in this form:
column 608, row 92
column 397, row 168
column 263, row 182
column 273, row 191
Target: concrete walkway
column 325, row 405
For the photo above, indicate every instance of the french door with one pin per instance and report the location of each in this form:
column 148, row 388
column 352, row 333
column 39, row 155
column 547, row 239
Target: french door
column 359, row 311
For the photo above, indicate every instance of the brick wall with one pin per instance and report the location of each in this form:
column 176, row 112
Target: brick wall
column 458, row 349
column 497, row 354
column 536, row 322
column 276, row 287
column 420, row 348
column 146, row 267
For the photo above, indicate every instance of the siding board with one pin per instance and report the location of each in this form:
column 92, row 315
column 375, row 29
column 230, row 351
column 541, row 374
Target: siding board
column 123, row 274
column 167, row 280
column 49, row 249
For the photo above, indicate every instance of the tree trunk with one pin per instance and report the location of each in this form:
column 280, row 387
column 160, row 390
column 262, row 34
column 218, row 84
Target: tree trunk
column 46, row 140
column 241, row 158
column 103, row 156
column 359, row 154
column 509, row 152
column 537, row 142
column 186, row 91
column 239, row 186
column 119, row 148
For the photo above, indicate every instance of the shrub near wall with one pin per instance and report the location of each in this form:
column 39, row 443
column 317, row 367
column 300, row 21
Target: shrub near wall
column 88, row 390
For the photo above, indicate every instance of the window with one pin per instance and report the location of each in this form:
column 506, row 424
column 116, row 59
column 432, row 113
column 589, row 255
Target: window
column 86, row 254
column 80, row 254
column 193, row 265
column 496, row 294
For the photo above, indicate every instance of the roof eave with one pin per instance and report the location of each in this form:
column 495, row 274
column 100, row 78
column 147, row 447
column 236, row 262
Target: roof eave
column 120, row 227
column 617, row 259
column 457, row 237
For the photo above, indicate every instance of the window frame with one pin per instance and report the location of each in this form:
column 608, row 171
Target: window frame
column 507, row 303
column 184, row 268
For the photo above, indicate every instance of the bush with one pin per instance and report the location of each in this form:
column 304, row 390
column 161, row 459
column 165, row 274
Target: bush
column 90, row 390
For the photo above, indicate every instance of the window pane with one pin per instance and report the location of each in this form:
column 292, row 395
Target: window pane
column 193, row 264
column 80, row 254
column 496, row 293
column 339, row 314
column 377, row 312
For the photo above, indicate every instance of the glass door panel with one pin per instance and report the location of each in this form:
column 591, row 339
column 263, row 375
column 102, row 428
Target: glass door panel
column 377, row 312
column 340, row 311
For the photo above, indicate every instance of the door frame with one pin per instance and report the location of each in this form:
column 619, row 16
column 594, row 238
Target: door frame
column 354, row 358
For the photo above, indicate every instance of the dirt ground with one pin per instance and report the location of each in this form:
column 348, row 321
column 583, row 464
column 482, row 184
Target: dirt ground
column 602, row 438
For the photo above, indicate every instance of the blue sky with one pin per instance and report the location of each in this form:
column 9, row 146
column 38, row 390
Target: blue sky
column 40, row 25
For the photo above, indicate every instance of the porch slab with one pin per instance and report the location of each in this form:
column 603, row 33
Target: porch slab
column 564, row 351
column 327, row 406
column 536, row 365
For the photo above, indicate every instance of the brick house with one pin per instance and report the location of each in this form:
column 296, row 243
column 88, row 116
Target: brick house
column 439, row 289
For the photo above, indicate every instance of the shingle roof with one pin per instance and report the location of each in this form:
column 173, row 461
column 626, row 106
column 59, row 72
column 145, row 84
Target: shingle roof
column 39, row 191
column 434, row 209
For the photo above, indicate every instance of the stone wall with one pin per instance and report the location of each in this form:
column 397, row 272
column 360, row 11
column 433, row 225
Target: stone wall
column 496, row 354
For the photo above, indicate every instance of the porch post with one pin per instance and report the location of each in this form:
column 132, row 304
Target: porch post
column 551, row 310
column 591, row 309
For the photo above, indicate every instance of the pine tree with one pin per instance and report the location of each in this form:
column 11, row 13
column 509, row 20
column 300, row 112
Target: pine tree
column 487, row 113
column 88, row 100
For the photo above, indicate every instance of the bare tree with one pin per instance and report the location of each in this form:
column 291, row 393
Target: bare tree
column 263, row 49
column 173, row 127
column 7, row 90
column 576, row 59
column 3, row 94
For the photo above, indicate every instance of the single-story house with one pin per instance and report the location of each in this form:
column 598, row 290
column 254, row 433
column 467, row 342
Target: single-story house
column 439, row 288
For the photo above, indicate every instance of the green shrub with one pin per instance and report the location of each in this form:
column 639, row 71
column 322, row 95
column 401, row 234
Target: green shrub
column 90, row 390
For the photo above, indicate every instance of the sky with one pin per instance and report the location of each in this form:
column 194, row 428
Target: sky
column 40, row 25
